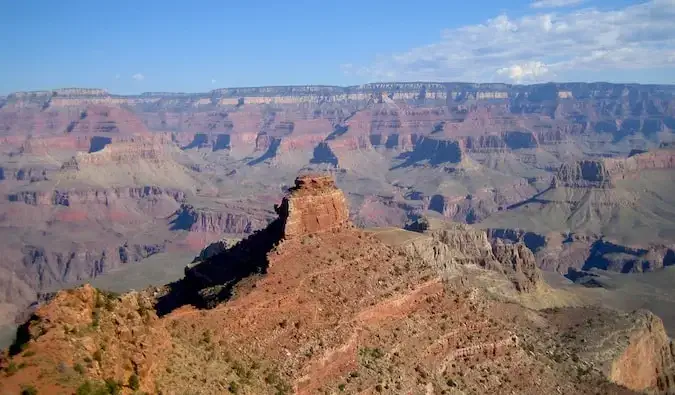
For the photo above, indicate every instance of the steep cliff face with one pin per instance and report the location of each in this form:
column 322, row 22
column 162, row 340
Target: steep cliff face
column 122, row 152
column 433, row 151
column 314, row 205
column 464, row 245
column 218, row 220
column 638, row 96
column 95, row 196
column 647, row 361
column 560, row 252
column 583, row 174
column 603, row 173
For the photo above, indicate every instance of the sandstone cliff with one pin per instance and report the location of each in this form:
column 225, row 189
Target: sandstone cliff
column 218, row 220
column 630, row 349
column 313, row 205
column 127, row 152
column 604, row 173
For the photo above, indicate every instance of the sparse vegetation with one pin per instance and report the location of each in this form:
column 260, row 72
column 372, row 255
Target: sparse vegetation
column 95, row 318
column 114, row 387
column 28, row 390
column 109, row 387
column 134, row 382
column 281, row 387
column 79, row 368
column 11, row 369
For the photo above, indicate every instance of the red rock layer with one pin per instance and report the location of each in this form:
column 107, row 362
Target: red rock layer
column 314, row 205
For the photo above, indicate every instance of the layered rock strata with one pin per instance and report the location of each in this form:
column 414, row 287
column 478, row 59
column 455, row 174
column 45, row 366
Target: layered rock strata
column 313, row 205
column 604, row 173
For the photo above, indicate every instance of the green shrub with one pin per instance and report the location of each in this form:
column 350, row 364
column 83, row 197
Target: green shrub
column 114, row 387
column 134, row 382
column 11, row 368
column 98, row 355
column 233, row 387
column 79, row 368
column 28, row 390
column 92, row 388
column 95, row 318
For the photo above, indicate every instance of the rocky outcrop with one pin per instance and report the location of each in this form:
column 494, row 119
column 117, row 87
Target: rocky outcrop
column 126, row 152
column 59, row 266
column 630, row 349
column 434, row 152
column 215, row 248
column 519, row 265
column 219, row 220
column 603, row 173
column 94, row 196
column 562, row 252
column 313, row 205
column 647, row 361
column 137, row 338
column 583, row 174
column 462, row 244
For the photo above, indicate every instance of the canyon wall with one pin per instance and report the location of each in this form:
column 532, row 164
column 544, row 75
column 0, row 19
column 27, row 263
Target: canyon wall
column 603, row 173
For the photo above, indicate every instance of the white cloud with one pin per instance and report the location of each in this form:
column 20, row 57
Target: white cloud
column 138, row 77
column 213, row 81
column 525, row 71
column 555, row 3
column 539, row 47
column 117, row 76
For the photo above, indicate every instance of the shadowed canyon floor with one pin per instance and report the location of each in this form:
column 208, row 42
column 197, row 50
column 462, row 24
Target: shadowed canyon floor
column 311, row 304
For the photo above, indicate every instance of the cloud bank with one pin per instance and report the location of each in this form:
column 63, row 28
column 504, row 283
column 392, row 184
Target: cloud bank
column 138, row 77
column 539, row 47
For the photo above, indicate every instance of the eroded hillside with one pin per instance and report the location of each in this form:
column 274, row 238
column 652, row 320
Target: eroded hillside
column 91, row 182
column 311, row 304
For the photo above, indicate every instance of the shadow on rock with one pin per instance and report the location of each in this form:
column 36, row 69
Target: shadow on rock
column 209, row 282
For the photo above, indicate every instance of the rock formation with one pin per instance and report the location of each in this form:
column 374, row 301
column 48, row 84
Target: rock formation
column 603, row 173
column 222, row 219
column 465, row 245
column 308, row 309
column 313, row 205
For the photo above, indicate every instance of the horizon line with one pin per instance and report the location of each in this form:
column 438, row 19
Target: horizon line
column 361, row 86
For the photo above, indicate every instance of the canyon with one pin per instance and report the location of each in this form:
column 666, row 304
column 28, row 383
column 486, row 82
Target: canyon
column 92, row 182
column 438, row 308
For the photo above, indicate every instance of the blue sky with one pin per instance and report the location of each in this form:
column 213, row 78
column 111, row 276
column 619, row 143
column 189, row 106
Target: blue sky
column 152, row 45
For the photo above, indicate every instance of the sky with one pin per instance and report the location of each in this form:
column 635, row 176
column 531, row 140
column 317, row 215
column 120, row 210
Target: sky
column 195, row 46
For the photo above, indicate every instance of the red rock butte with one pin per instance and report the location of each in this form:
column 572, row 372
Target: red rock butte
column 313, row 205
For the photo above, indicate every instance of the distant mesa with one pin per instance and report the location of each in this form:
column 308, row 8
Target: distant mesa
column 603, row 173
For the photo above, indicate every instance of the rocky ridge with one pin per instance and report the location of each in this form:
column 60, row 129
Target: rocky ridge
column 413, row 316
column 605, row 172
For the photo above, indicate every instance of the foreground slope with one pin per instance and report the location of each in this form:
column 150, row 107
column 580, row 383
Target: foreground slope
column 312, row 305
